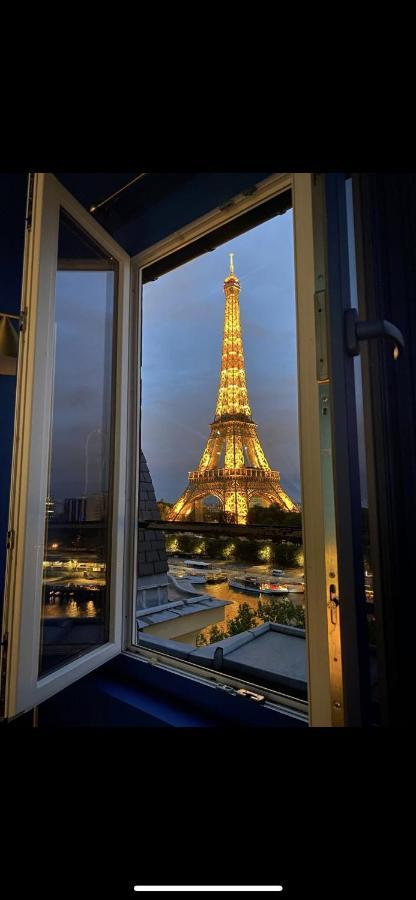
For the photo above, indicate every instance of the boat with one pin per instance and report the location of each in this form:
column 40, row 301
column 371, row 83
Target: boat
column 191, row 577
column 251, row 585
column 216, row 577
column 277, row 572
column 296, row 587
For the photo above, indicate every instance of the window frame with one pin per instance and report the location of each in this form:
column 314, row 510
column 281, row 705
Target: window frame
column 308, row 201
column 325, row 677
column 24, row 689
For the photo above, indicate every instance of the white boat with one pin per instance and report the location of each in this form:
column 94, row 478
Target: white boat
column 252, row 586
column 295, row 587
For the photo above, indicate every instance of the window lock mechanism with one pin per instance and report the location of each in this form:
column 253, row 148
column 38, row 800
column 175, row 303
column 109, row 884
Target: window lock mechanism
column 356, row 331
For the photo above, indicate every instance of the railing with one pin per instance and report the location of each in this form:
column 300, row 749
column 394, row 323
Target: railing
column 216, row 474
column 291, row 533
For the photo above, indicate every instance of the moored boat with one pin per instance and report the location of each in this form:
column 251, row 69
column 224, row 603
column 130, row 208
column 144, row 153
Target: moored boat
column 295, row 587
column 252, row 586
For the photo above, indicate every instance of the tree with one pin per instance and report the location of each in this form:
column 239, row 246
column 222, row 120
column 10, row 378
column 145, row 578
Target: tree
column 273, row 515
column 282, row 611
column 225, row 517
column 216, row 634
column 214, row 547
column 243, row 621
column 246, row 550
column 286, row 554
column 188, row 543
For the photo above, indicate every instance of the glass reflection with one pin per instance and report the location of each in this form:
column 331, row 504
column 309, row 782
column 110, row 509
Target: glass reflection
column 78, row 509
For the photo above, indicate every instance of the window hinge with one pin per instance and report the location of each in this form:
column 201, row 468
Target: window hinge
column 321, row 337
column 23, row 320
column 10, row 540
column 29, row 204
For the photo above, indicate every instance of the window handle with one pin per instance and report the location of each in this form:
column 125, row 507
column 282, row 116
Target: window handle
column 356, row 331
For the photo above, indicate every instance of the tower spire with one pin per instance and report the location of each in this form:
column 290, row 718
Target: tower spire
column 231, row 263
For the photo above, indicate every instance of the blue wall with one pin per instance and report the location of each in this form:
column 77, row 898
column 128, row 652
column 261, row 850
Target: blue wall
column 13, row 189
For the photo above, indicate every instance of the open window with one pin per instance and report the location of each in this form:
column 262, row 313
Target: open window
column 65, row 562
column 78, row 516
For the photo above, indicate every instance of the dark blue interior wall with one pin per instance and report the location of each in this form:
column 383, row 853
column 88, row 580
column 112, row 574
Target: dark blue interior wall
column 13, row 189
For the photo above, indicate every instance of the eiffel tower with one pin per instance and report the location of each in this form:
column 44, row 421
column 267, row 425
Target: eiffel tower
column 233, row 467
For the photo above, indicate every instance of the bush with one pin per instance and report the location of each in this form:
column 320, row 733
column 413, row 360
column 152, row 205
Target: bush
column 243, row 621
column 214, row 547
column 281, row 611
column 286, row 554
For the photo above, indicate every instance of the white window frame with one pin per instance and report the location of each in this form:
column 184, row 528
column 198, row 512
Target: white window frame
column 23, row 595
column 322, row 637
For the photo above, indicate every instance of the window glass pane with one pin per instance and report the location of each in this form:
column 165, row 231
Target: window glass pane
column 220, row 578
column 75, row 608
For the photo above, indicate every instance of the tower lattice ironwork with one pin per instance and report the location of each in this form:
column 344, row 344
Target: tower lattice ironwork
column 233, row 467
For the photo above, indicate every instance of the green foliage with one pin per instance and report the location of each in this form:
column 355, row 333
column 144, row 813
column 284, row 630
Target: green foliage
column 273, row 515
column 188, row 543
column 285, row 554
column 282, row 611
column 214, row 547
column 216, row 634
column 201, row 640
column 246, row 550
column 243, row 621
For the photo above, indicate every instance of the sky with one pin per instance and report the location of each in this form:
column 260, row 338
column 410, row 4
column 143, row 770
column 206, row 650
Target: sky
column 82, row 382
column 183, row 313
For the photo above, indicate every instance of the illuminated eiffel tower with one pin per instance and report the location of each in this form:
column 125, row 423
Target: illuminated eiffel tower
column 233, row 467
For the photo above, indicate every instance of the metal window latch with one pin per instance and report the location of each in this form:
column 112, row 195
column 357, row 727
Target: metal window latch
column 356, row 331
column 250, row 695
column 333, row 604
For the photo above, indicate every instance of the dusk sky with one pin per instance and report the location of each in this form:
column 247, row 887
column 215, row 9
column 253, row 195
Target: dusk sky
column 183, row 313
column 81, row 408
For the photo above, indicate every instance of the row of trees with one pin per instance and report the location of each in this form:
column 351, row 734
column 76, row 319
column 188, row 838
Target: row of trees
column 246, row 550
column 275, row 609
column 257, row 515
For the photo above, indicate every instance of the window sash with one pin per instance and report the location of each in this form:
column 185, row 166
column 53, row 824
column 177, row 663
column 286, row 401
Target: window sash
column 309, row 241
column 23, row 595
